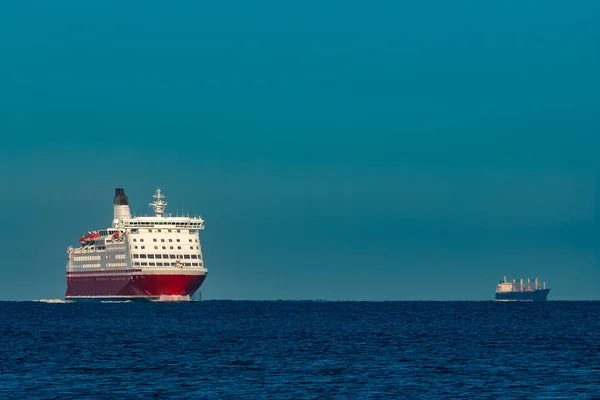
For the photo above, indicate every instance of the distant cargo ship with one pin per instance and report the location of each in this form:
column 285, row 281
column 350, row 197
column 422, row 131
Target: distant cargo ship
column 138, row 258
column 510, row 291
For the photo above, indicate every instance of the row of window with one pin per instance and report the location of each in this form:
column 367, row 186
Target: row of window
column 163, row 240
column 169, row 256
column 190, row 231
column 86, row 258
column 165, row 264
column 111, row 265
column 177, row 224
column 89, row 265
column 170, row 247
column 120, row 256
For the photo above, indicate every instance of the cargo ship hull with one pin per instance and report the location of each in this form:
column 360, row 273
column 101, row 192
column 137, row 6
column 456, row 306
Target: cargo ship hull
column 535, row 295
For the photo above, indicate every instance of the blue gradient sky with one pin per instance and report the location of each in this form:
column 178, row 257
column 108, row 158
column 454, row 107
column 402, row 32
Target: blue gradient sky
column 337, row 150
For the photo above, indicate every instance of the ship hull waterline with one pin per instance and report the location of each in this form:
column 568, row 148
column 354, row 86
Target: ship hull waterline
column 538, row 295
column 138, row 287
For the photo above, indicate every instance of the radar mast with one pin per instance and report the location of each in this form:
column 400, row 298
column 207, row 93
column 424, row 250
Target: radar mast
column 158, row 205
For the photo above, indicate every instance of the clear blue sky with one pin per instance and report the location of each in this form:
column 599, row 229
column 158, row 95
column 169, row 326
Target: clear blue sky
column 338, row 150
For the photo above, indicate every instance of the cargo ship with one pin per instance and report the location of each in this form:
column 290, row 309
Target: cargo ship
column 511, row 291
column 138, row 258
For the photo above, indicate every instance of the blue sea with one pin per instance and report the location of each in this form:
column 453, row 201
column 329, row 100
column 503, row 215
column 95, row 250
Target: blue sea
column 300, row 350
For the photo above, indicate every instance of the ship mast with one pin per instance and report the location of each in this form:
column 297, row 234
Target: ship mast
column 158, row 205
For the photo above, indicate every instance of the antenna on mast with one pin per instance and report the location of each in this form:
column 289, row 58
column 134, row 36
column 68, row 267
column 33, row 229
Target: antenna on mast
column 158, row 205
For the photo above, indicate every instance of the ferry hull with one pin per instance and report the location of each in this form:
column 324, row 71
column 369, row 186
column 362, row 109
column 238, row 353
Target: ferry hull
column 537, row 295
column 133, row 287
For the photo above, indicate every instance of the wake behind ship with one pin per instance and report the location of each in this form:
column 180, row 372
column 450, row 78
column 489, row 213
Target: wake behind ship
column 139, row 258
column 510, row 291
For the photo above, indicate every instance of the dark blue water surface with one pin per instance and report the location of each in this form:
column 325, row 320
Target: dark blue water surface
column 299, row 350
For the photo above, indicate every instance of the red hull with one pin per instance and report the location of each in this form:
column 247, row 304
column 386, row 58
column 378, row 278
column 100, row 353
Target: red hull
column 140, row 285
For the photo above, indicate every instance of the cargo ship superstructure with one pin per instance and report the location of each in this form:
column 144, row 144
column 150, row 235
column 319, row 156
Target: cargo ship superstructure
column 138, row 258
column 511, row 291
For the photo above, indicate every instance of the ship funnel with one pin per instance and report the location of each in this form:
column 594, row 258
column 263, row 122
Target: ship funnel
column 120, row 198
column 121, row 207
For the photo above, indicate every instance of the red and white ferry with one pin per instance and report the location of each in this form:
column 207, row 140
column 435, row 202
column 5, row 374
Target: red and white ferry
column 138, row 258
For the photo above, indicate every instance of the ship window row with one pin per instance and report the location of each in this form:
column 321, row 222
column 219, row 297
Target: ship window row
column 86, row 258
column 169, row 256
column 111, row 265
column 170, row 247
column 93, row 248
column 170, row 240
column 120, row 256
column 90, row 265
column 166, row 264
column 164, row 223
column 191, row 231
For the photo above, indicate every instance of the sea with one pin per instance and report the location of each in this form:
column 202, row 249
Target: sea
column 300, row 350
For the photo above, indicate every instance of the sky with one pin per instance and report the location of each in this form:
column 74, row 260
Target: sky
column 337, row 150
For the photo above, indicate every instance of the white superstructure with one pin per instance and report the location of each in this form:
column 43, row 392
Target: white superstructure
column 151, row 244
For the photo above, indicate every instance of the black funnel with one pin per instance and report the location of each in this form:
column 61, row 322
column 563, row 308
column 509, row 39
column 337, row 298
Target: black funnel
column 120, row 198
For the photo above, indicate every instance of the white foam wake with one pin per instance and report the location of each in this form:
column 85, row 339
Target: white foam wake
column 115, row 301
column 59, row 301
column 174, row 298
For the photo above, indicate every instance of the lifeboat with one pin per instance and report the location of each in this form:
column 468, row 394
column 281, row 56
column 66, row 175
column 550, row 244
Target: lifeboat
column 89, row 238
